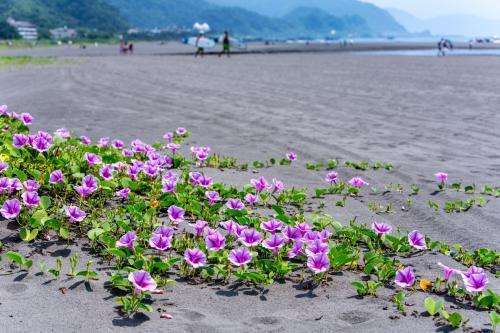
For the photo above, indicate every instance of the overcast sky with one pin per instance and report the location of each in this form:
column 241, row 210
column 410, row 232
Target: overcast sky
column 430, row 8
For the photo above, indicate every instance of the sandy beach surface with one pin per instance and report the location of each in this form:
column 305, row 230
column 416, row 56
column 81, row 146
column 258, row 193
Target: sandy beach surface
column 423, row 114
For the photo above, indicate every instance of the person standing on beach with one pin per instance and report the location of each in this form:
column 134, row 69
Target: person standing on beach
column 200, row 51
column 441, row 48
column 226, row 45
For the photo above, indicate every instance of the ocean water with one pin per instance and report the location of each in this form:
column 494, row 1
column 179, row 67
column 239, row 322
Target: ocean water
column 432, row 53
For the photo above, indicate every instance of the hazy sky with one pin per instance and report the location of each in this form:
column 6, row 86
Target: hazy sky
column 431, row 8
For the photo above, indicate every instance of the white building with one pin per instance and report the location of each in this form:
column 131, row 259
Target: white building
column 25, row 29
column 63, row 33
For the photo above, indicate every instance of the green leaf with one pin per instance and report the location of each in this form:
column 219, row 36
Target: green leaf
column 455, row 319
column 64, row 233
column 26, row 235
column 432, row 306
column 495, row 320
column 95, row 233
column 45, row 202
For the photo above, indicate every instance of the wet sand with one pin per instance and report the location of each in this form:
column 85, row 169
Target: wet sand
column 422, row 114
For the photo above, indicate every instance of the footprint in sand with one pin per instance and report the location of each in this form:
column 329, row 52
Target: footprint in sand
column 192, row 315
column 355, row 317
column 268, row 320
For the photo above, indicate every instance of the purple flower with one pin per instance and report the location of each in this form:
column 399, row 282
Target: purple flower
column 475, row 282
column 195, row 257
column 20, row 140
column 318, row 263
column 358, row 182
column 4, row 110
column 274, row 243
column 75, row 214
column 164, row 231
column 311, row 236
column 250, row 237
column 127, row 153
column 56, row 177
column 106, row 172
column 127, row 240
column 235, row 204
column 448, row 271
column 103, row 142
column 90, row 182
column 278, row 185
column 14, row 185
column 123, row 193
column 296, row 249
column 441, row 177
column 142, row 281
column 92, row 159
column 200, row 227
column 212, row 197
column 118, row 144
column 332, row 177
column 3, row 166
column 63, row 133
column 315, row 247
column 26, row 118
column 229, row 226
column 291, row 233
column 417, row 240
column 42, row 142
column 175, row 214
column 151, row 170
column 194, row 177
column 168, row 186
column 251, row 199
column 181, row 131
column 31, row 185
column 271, row 226
column 11, row 209
column 381, row 228
column 215, row 241
column 304, row 228
column 173, row 147
column 205, row 181
column 405, row 277
column 260, row 184
column 84, row 191
column 168, row 136
column 240, row 257
column 31, row 199
column 160, row 242
column 85, row 140
column 291, row 156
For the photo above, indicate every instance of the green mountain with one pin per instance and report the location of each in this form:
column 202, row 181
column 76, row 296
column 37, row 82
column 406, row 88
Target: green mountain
column 377, row 19
column 86, row 14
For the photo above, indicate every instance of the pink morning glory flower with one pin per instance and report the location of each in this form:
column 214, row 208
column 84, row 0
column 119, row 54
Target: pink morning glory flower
column 92, row 159
column 84, row 191
column 41, row 143
column 106, row 172
column 315, row 247
column 14, row 185
column 20, row 140
column 417, row 240
column 175, row 214
column 215, row 241
column 277, row 186
column 85, row 140
column 173, row 147
column 118, row 144
column 3, row 166
column 123, row 193
column 291, row 156
column 168, row 136
column 90, row 182
column 318, row 263
column 31, row 199
column 4, row 110
column 475, row 282
column 271, row 226
column 381, row 228
column 240, row 257
column 63, row 133
column 127, row 240
column 212, row 197
column 31, row 185
column 251, row 199
column 168, row 186
column 358, row 182
column 10, row 209
column 199, row 227
column 291, row 233
column 75, row 214
column 296, row 249
column 260, row 184
column 127, row 153
column 195, row 257
column 441, row 177
column 56, row 177
column 229, row 226
column 405, row 277
column 164, row 231
column 205, row 181
column 332, row 177
column 448, row 271
column 235, row 204
column 103, row 142
column 274, row 243
column 181, row 131
column 26, row 118
column 304, row 228
column 250, row 237
column 311, row 236
column 142, row 281
column 160, row 242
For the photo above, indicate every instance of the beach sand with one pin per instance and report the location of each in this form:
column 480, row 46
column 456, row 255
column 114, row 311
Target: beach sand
column 422, row 114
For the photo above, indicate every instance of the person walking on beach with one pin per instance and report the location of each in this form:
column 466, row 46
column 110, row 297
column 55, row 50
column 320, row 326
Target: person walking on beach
column 200, row 51
column 226, row 45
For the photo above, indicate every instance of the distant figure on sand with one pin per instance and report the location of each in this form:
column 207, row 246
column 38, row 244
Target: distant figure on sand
column 131, row 48
column 200, row 50
column 226, row 45
column 443, row 45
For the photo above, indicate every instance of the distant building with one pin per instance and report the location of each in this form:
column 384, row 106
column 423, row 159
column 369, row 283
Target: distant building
column 63, row 33
column 26, row 30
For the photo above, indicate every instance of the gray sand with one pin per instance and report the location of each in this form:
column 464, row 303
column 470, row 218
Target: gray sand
column 422, row 114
